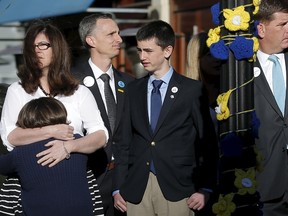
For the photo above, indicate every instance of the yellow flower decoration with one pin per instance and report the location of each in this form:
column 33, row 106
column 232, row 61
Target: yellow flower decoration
column 222, row 110
column 255, row 49
column 256, row 10
column 245, row 181
column 237, row 19
column 256, row 4
column 255, row 44
column 253, row 58
column 224, row 206
column 213, row 36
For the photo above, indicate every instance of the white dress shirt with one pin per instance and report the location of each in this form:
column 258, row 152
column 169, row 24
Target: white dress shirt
column 267, row 66
column 97, row 73
column 82, row 110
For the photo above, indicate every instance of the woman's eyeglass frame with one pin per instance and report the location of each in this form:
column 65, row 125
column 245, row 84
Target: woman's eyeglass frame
column 43, row 45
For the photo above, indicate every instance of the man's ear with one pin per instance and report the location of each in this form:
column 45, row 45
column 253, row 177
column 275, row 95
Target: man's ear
column 90, row 41
column 168, row 52
column 261, row 30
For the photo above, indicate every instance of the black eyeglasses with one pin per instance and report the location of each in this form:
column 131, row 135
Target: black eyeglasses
column 43, row 45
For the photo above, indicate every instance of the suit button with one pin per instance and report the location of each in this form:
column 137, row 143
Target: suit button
column 285, row 125
column 147, row 163
column 153, row 143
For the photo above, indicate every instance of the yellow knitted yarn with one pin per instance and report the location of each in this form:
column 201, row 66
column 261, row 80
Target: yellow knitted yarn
column 237, row 19
column 222, row 101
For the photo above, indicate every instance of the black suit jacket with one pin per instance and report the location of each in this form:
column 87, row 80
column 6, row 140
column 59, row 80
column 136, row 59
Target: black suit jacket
column 273, row 138
column 183, row 147
column 98, row 160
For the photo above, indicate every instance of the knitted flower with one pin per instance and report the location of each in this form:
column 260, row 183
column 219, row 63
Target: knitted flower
column 256, row 4
column 219, row 50
column 222, row 110
column 231, row 145
column 255, row 44
column 224, row 206
column 245, row 181
column 255, row 49
column 254, row 28
column 213, row 36
column 215, row 10
column 242, row 48
column 237, row 19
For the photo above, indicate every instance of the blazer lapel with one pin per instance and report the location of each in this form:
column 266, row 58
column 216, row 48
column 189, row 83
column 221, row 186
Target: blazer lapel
column 170, row 98
column 264, row 88
column 120, row 87
column 97, row 95
column 286, row 99
column 141, row 107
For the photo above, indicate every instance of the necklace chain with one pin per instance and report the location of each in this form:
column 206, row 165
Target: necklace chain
column 46, row 93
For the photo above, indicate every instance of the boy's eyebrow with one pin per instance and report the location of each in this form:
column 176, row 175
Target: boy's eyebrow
column 145, row 49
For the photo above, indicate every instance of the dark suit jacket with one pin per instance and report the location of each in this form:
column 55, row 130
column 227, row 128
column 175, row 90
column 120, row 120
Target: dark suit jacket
column 98, row 160
column 183, row 147
column 273, row 139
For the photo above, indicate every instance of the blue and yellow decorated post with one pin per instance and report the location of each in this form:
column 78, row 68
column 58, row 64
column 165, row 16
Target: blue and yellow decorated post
column 234, row 40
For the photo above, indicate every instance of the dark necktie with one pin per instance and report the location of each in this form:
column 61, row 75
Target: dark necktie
column 156, row 104
column 110, row 101
column 279, row 90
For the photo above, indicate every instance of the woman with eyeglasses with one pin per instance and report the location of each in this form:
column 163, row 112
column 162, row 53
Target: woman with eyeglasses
column 46, row 73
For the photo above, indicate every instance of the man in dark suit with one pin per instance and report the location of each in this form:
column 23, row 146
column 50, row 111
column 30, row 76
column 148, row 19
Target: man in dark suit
column 100, row 34
column 272, row 143
column 167, row 169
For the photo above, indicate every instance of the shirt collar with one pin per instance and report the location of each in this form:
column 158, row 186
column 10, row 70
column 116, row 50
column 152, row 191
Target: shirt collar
column 263, row 57
column 166, row 78
column 98, row 72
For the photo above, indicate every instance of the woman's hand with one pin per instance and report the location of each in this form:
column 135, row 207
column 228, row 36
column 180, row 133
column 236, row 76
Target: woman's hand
column 53, row 155
column 61, row 131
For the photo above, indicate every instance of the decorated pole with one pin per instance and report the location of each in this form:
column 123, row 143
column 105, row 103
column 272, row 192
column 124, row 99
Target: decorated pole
column 234, row 41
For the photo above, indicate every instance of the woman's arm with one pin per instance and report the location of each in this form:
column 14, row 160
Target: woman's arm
column 20, row 136
column 88, row 116
column 59, row 149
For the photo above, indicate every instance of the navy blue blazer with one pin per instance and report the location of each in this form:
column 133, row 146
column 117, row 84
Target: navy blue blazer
column 183, row 147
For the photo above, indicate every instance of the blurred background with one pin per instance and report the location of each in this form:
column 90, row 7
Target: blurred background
column 187, row 17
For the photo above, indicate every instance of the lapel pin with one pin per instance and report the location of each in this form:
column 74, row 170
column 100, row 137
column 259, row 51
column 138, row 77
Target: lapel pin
column 174, row 89
column 257, row 71
column 88, row 81
column 120, row 90
column 121, row 84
